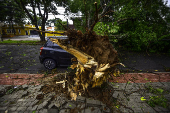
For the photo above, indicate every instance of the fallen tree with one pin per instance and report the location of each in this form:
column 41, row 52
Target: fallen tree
column 96, row 58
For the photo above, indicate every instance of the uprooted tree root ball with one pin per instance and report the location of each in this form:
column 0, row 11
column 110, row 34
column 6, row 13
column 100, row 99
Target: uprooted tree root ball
column 94, row 45
column 96, row 58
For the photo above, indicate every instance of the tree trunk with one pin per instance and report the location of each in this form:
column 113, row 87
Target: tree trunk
column 1, row 24
column 13, row 27
column 43, row 29
column 41, row 34
column 96, row 59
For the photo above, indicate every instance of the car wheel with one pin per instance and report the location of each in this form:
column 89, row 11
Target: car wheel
column 49, row 64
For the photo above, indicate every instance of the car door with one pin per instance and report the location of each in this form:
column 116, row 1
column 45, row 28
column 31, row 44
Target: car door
column 63, row 56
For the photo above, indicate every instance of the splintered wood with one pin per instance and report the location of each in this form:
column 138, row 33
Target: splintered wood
column 95, row 55
column 96, row 58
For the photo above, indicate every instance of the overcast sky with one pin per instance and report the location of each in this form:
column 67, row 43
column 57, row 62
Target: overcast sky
column 65, row 17
column 61, row 10
column 168, row 2
column 62, row 16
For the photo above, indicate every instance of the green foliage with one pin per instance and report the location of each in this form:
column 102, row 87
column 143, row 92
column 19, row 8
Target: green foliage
column 1, row 67
column 34, row 111
column 87, row 8
column 11, row 13
column 105, row 29
column 24, row 54
column 141, row 37
column 143, row 24
column 137, row 25
column 44, row 8
column 8, row 53
column 79, row 24
column 48, row 23
column 142, row 99
column 155, row 90
column 18, row 42
column 59, row 26
column 10, row 91
column 117, row 106
column 157, row 100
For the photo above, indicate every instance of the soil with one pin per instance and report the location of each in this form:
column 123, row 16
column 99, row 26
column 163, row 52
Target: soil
column 103, row 93
column 99, row 47
column 94, row 45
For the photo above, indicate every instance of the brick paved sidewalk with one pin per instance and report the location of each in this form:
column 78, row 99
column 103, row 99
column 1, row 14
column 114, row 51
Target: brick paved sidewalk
column 128, row 94
column 141, row 77
column 21, row 78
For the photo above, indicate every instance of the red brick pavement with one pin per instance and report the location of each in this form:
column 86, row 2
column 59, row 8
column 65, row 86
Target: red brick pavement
column 141, row 77
column 20, row 79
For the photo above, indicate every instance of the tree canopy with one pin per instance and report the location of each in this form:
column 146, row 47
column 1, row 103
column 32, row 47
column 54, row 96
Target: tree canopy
column 59, row 25
column 44, row 7
column 138, row 25
column 144, row 22
column 10, row 13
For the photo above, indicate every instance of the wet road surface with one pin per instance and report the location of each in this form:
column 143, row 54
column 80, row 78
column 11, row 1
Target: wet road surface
column 21, row 59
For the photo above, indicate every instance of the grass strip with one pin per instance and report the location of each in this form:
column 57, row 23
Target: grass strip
column 30, row 42
column 21, row 41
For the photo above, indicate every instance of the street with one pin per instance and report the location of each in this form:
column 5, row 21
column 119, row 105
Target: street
column 22, row 59
column 25, row 59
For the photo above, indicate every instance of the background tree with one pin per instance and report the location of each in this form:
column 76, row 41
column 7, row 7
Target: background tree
column 58, row 25
column 143, row 23
column 136, row 25
column 86, row 7
column 44, row 8
column 50, row 21
column 11, row 14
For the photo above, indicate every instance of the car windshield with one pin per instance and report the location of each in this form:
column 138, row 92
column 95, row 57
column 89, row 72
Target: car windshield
column 56, row 46
column 49, row 43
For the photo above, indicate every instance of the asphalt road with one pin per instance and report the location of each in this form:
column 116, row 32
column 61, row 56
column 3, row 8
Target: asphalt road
column 22, row 59
column 25, row 59
column 142, row 62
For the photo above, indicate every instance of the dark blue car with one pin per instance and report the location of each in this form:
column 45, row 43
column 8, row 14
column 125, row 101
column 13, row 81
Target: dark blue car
column 52, row 55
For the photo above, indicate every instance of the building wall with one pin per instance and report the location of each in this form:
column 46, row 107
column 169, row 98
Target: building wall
column 7, row 31
column 21, row 30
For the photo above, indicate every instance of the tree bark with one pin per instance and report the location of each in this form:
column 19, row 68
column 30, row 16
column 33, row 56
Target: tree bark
column 96, row 58
column 34, row 17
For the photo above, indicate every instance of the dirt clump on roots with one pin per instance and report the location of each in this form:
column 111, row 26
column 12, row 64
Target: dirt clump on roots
column 103, row 93
column 94, row 45
column 95, row 60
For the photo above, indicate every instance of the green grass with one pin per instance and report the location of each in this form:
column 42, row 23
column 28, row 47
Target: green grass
column 158, row 100
column 18, row 42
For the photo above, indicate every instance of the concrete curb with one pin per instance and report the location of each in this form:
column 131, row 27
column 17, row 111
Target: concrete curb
column 57, row 73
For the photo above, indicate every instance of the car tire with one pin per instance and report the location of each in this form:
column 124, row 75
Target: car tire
column 49, row 64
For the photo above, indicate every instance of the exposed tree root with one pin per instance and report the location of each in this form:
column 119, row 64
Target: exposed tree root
column 95, row 55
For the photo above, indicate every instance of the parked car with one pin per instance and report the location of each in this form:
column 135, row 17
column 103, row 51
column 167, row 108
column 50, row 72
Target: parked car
column 52, row 55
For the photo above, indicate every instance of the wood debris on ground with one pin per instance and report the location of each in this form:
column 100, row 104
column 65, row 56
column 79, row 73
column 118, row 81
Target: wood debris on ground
column 96, row 58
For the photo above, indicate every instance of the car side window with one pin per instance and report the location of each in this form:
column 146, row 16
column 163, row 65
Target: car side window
column 49, row 43
column 56, row 46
